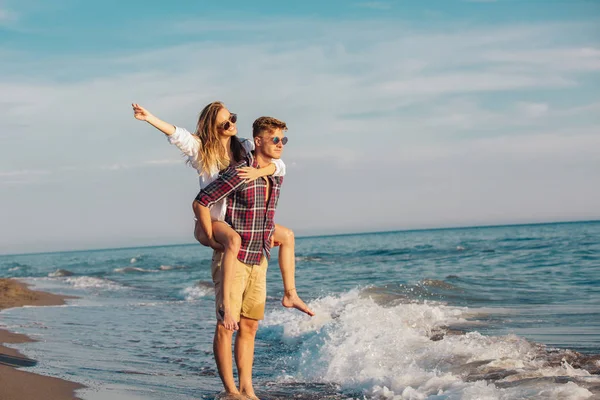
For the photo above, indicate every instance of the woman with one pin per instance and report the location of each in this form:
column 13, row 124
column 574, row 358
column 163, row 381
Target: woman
column 209, row 150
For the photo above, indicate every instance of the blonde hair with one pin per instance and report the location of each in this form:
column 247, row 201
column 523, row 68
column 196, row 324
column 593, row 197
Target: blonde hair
column 212, row 154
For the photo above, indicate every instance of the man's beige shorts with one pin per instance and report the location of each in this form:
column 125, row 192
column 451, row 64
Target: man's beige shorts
column 248, row 290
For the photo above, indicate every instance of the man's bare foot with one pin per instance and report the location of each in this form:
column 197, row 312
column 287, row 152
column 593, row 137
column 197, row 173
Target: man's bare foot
column 230, row 396
column 250, row 395
column 292, row 300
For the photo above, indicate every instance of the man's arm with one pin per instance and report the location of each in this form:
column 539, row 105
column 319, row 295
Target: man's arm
column 228, row 182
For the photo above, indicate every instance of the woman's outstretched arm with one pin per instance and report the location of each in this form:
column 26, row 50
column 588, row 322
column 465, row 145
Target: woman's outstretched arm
column 142, row 114
column 180, row 137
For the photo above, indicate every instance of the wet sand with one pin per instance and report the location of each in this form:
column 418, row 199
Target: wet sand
column 16, row 384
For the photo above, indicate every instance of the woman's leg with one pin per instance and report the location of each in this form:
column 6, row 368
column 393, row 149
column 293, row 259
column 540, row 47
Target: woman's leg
column 199, row 233
column 232, row 242
column 287, row 264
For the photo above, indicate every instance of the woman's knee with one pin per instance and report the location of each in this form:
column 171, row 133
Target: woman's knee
column 284, row 235
column 200, row 235
column 233, row 242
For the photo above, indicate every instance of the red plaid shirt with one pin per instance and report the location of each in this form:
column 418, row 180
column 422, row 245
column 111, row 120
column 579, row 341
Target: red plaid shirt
column 247, row 211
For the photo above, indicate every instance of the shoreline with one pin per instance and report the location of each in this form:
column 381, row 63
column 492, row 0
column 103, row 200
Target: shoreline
column 15, row 383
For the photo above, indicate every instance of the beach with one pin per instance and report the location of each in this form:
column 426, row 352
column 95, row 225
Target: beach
column 15, row 383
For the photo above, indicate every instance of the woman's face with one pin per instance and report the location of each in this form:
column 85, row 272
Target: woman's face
column 226, row 122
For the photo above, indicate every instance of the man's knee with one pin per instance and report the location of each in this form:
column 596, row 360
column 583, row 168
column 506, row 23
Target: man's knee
column 248, row 326
column 223, row 333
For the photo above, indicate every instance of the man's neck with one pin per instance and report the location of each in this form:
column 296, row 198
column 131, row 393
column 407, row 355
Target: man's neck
column 262, row 160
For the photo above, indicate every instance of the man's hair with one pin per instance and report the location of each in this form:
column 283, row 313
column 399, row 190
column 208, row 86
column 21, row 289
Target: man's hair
column 267, row 124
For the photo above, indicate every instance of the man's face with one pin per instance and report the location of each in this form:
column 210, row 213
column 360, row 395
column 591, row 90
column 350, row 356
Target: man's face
column 264, row 143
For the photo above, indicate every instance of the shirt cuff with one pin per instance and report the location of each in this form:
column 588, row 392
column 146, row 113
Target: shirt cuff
column 175, row 137
column 204, row 200
column 279, row 167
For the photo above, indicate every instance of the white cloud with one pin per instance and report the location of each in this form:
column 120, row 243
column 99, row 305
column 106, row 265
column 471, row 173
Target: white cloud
column 23, row 173
column 559, row 59
column 533, row 110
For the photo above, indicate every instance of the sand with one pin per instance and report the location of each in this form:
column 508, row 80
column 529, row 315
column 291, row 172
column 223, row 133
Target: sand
column 16, row 384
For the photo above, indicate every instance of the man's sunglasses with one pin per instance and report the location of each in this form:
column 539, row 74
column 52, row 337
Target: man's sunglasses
column 283, row 140
column 227, row 124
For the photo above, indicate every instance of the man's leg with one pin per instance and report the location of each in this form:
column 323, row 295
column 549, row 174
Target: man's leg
column 244, row 354
column 253, row 310
column 287, row 265
column 223, row 357
column 223, row 336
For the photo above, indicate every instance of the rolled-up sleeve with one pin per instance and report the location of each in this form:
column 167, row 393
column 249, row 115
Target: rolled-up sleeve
column 223, row 186
column 279, row 167
column 185, row 141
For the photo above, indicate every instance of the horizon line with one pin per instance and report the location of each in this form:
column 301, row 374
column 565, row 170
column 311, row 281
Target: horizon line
column 485, row 226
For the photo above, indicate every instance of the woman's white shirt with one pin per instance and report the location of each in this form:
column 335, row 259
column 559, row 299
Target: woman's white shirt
column 190, row 146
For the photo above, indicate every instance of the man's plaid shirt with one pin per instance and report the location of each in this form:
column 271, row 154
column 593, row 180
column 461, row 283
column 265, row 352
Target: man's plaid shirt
column 247, row 211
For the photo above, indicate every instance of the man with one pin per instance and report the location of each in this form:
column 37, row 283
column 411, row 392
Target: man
column 250, row 212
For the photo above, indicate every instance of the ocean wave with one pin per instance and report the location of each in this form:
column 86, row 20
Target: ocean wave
column 199, row 290
column 59, row 273
column 172, row 267
column 396, row 352
column 308, row 258
column 133, row 269
column 14, row 267
column 86, row 282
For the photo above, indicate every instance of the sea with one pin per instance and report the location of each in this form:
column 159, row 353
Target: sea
column 507, row 312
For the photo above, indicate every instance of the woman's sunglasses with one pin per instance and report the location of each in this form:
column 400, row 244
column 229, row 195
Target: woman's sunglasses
column 283, row 140
column 227, row 124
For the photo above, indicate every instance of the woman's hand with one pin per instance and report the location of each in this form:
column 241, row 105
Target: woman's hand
column 229, row 322
column 140, row 112
column 249, row 173
column 215, row 245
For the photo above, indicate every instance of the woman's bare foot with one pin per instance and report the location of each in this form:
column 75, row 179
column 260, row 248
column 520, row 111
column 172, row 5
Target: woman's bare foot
column 292, row 300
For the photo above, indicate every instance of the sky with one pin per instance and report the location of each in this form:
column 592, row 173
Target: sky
column 402, row 114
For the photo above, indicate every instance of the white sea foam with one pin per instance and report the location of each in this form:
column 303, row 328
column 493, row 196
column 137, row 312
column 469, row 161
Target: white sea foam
column 170, row 267
column 14, row 269
column 134, row 269
column 133, row 260
column 386, row 352
column 85, row 282
column 197, row 292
